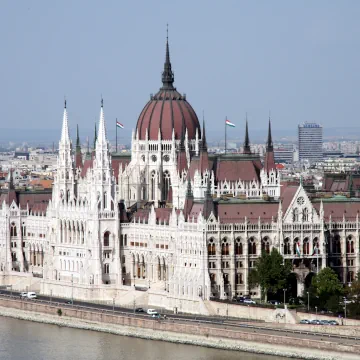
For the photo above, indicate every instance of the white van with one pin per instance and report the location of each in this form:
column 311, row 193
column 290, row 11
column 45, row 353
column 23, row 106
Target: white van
column 152, row 312
column 31, row 295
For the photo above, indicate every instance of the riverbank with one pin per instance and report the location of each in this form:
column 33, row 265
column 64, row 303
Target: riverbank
column 181, row 338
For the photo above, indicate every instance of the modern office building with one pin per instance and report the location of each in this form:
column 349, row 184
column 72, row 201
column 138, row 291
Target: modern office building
column 284, row 153
column 310, row 137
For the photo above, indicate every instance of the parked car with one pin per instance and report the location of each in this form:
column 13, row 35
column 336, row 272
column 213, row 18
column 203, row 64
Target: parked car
column 249, row 301
column 240, row 299
column 23, row 295
column 324, row 322
column 315, row 322
column 152, row 312
column 274, row 302
column 304, row 321
column 31, row 295
column 139, row 310
column 333, row 322
column 157, row 316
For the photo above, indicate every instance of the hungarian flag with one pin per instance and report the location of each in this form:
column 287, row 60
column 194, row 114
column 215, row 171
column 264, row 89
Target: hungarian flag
column 228, row 123
column 298, row 249
column 121, row 126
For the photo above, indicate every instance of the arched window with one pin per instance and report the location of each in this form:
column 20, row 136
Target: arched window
column 153, row 185
column 166, row 185
column 252, row 246
column 211, row 248
column 305, row 215
column 316, row 246
column 13, row 231
column 306, row 246
column 238, row 247
column 295, row 215
column 265, row 245
column 23, row 229
column 224, row 247
column 287, row 247
column 105, row 200
column 106, row 238
column 350, row 247
column 350, row 276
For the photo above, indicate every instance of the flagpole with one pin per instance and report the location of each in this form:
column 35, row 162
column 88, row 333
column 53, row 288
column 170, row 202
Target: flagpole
column 225, row 134
column 116, row 135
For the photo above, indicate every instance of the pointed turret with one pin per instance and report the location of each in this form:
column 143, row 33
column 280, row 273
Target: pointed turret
column 65, row 137
column 208, row 201
column 95, row 138
column 204, row 156
column 247, row 149
column 78, row 156
column 269, row 162
column 101, row 138
column 189, row 199
column 167, row 75
column 181, row 157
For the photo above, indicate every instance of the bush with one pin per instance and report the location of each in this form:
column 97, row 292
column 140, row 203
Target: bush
column 59, row 312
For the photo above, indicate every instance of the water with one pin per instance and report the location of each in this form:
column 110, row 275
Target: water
column 21, row 339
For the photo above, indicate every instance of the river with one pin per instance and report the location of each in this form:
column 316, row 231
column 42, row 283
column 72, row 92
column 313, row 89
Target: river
column 26, row 340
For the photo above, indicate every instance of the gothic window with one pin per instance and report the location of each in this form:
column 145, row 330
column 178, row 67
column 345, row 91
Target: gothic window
column 13, row 231
column 252, row 246
column 300, row 200
column 166, row 185
column 238, row 247
column 265, row 245
column 105, row 200
column 153, row 185
column 350, row 249
column 336, row 244
column 350, row 276
column 296, row 215
column 305, row 215
column 306, row 246
column 153, row 158
column 211, row 248
column 106, row 238
column 213, row 279
column 239, row 279
column 166, row 158
column 287, row 247
column 224, row 247
column 143, row 158
column 316, row 248
column 106, row 268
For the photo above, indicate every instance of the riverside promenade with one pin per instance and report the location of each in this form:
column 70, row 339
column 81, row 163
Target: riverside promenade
column 229, row 335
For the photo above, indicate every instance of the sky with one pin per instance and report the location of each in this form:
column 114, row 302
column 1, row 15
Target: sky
column 298, row 59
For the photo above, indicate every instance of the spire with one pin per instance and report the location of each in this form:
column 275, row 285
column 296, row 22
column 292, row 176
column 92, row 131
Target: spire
column 95, row 137
column 269, row 144
column 167, row 75
column 203, row 138
column 247, row 149
column 101, row 138
column 78, row 156
column 65, row 126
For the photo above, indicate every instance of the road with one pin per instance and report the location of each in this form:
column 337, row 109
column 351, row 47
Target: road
column 218, row 322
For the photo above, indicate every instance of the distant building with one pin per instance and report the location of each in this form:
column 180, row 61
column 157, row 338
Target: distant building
column 284, row 153
column 310, row 137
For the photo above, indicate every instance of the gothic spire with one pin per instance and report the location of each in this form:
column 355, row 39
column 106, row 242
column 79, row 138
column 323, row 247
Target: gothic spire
column 269, row 144
column 247, row 149
column 77, row 138
column 203, row 137
column 65, row 137
column 167, row 75
column 78, row 155
column 101, row 138
column 95, row 137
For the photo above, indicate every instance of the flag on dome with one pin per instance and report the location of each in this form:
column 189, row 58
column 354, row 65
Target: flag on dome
column 121, row 126
column 228, row 123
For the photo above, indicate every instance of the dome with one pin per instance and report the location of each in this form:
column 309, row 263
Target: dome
column 167, row 110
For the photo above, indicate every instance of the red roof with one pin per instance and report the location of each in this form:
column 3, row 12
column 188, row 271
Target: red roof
column 338, row 209
column 167, row 110
column 233, row 170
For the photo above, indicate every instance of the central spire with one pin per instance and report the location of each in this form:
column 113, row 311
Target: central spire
column 269, row 144
column 247, row 149
column 167, row 75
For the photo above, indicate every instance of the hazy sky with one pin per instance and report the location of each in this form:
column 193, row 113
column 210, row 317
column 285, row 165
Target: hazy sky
column 300, row 59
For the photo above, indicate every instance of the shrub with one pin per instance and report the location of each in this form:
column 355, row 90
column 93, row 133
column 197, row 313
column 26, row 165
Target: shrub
column 59, row 312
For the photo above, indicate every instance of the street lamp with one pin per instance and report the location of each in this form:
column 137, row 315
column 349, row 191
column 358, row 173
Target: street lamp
column 308, row 301
column 316, row 311
column 149, row 284
column 113, row 305
column 134, row 280
column 284, row 297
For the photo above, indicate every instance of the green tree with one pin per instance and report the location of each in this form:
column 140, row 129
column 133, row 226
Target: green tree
column 353, row 294
column 327, row 288
column 270, row 273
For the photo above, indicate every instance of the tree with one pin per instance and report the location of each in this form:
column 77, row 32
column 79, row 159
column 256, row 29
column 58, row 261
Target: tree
column 327, row 288
column 270, row 273
column 353, row 293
